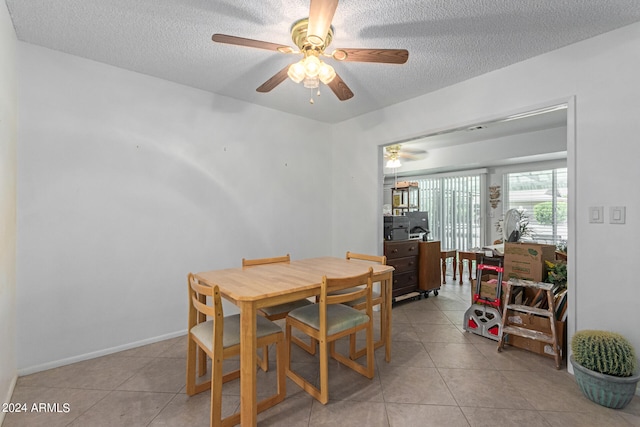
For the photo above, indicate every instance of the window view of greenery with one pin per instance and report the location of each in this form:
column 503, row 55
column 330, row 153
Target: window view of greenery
column 542, row 195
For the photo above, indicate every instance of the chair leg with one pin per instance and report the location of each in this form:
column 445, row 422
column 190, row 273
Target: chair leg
column 324, row 373
column 216, row 391
column 309, row 348
column 367, row 370
column 294, row 376
column 202, row 362
column 263, row 362
column 191, row 366
column 356, row 354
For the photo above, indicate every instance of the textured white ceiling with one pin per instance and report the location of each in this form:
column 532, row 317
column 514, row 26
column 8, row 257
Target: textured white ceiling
column 448, row 41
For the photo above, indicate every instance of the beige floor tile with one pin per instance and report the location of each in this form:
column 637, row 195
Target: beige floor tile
column 343, row 413
column 483, row 388
column 427, row 316
column 454, row 355
column 403, row 415
column 293, row 412
column 163, row 374
column 193, row 411
column 415, row 385
column 583, row 419
column 150, row 350
column 456, row 316
column 485, row 417
column 405, row 354
column 439, row 333
column 552, row 391
column 103, row 373
column 124, row 408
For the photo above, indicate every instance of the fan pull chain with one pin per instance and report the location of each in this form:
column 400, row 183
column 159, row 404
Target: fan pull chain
column 311, row 99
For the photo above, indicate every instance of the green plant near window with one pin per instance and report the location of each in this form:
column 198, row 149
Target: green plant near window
column 525, row 229
column 543, row 212
column 557, row 273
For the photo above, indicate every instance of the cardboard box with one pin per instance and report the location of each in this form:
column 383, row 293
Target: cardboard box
column 489, row 289
column 406, row 184
column 527, row 260
column 536, row 323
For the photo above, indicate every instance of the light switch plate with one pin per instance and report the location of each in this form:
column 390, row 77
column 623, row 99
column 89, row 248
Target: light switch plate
column 596, row 214
column 617, row 214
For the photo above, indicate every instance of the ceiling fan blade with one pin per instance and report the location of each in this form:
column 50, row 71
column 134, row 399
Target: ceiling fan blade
column 386, row 56
column 413, row 151
column 340, row 88
column 241, row 41
column 274, row 81
column 408, row 156
column 320, row 16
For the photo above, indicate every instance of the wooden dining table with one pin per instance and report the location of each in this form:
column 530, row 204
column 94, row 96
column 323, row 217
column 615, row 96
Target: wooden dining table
column 251, row 288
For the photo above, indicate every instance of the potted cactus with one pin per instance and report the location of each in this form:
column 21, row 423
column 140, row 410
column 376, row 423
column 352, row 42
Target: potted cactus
column 605, row 367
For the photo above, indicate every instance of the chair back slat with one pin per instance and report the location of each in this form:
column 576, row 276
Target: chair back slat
column 262, row 261
column 332, row 285
column 346, row 297
column 198, row 294
column 381, row 259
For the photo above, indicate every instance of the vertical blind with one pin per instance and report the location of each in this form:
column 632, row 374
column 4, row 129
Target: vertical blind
column 453, row 204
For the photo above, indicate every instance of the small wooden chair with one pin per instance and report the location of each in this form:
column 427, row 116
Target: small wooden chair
column 219, row 338
column 279, row 311
column 376, row 299
column 330, row 320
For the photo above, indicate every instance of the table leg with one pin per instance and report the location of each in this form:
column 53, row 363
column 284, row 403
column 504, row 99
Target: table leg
column 248, row 405
column 454, row 266
column 388, row 281
column 461, row 267
column 444, row 268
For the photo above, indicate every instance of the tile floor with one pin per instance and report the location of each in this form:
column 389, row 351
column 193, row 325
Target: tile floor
column 439, row 376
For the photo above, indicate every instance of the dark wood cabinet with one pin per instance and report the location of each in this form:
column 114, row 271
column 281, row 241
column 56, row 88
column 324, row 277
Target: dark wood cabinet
column 417, row 266
column 403, row 256
column 429, row 267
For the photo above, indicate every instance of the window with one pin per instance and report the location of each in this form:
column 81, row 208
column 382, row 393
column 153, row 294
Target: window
column 542, row 195
column 453, row 203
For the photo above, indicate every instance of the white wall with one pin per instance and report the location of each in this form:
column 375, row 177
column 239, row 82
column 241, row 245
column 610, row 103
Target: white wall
column 602, row 75
column 8, row 132
column 127, row 182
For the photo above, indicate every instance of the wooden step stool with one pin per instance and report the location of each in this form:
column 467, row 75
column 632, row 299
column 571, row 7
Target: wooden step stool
column 549, row 313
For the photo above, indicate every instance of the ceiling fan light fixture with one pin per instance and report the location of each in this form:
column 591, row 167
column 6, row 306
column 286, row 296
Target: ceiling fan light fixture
column 297, row 71
column 326, row 73
column 393, row 163
column 311, row 65
column 311, row 82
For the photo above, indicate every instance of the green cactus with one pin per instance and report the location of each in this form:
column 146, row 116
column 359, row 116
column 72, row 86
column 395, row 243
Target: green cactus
column 605, row 352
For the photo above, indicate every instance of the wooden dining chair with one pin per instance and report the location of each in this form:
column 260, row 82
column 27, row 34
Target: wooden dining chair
column 376, row 299
column 330, row 320
column 219, row 339
column 279, row 311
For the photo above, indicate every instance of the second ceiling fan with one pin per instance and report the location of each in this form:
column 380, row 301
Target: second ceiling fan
column 312, row 36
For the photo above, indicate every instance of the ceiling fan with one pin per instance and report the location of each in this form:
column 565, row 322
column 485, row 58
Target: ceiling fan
column 393, row 154
column 312, row 36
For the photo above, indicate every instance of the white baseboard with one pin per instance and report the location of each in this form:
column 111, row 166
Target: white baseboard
column 7, row 399
column 94, row 354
